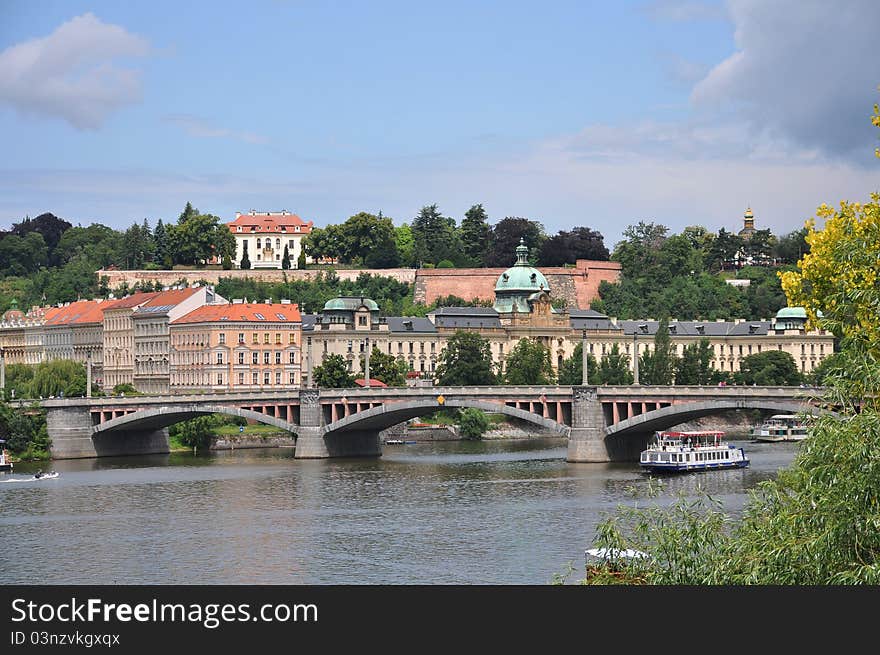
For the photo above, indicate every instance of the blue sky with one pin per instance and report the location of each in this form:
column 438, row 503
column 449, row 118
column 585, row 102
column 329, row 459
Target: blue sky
column 571, row 113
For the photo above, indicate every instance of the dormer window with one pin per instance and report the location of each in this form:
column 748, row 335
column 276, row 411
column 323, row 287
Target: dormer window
column 297, row 228
column 238, row 229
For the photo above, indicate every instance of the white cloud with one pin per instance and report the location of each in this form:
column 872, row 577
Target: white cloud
column 202, row 128
column 805, row 72
column 70, row 74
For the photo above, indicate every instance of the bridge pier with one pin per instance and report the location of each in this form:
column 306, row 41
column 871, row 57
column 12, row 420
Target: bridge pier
column 586, row 440
column 72, row 436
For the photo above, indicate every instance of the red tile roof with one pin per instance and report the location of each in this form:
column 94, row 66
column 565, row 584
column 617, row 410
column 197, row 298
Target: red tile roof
column 128, row 302
column 249, row 312
column 373, row 383
column 171, row 297
column 79, row 312
column 269, row 223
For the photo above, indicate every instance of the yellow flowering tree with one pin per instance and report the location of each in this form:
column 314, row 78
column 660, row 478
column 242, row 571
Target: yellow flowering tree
column 840, row 276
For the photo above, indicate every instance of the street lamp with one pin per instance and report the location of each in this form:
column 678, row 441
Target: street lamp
column 309, row 362
column 584, row 373
column 89, row 374
column 367, row 363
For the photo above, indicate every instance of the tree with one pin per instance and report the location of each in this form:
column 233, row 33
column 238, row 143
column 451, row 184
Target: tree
column 723, row 249
column 839, row 276
column 50, row 227
column 162, row 255
column 639, row 252
column 285, row 258
column 19, row 378
column 385, row 368
column 695, row 365
column 614, row 367
column 474, row 234
column 768, row 368
column 24, row 431
column 529, row 363
column 245, row 260
column 23, row 255
column 472, row 423
column 403, row 239
column 572, row 370
column 59, row 377
column 465, row 361
column 198, row 237
column 333, row 373
column 385, row 253
column 505, row 236
column 657, row 366
column 568, row 247
column 197, row 432
column 435, row 238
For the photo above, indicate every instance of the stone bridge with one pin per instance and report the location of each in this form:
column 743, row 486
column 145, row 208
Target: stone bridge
column 602, row 423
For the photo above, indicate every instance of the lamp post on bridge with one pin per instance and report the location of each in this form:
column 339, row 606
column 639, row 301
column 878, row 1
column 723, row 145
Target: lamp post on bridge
column 309, row 362
column 2, row 370
column 584, row 373
column 89, row 374
column 635, row 356
column 367, row 362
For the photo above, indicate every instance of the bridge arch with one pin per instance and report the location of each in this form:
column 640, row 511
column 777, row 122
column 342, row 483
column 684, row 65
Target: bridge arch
column 388, row 414
column 667, row 417
column 162, row 417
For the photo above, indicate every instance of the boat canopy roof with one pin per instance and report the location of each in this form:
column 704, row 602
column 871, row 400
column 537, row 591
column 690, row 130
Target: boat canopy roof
column 691, row 434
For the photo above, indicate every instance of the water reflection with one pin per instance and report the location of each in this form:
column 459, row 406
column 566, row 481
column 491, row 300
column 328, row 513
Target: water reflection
column 434, row 513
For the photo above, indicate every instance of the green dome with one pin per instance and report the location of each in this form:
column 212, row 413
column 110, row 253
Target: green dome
column 350, row 303
column 521, row 276
column 792, row 312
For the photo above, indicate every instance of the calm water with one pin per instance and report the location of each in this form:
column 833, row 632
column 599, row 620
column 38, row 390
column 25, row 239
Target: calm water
column 494, row 512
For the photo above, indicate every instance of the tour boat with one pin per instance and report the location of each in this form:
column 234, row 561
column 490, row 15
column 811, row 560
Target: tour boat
column 780, row 427
column 691, row 451
column 393, row 442
column 5, row 463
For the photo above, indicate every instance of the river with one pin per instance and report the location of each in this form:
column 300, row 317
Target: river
column 490, row 512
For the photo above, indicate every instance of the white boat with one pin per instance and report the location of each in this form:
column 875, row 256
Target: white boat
column 780, row 427
column 691, row 451
column 51, row 475
column 393, row 442
column 5, row 462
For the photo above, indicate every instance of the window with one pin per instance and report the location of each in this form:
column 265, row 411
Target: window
column 278, row 244
column 292, row 378
column 362, row 320
column 222, row 337
column 266, row 337
column 241, row 337
column 241, row 358
column 350, row 345
column 266, row 377
column 255, row 338
column 278, row 377
column 277, row 357
column 293, row 358
column 219, row 379
column 255, row 378
column 219, row 358
column 258, row 243
column 241, row 379
column 290, row 246
column 266, row 357
column 291, row 338
column 277, row 337
column 410, row 347
column 255, row 358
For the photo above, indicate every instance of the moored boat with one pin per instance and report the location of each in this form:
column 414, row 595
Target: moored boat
column 5, row 462
column 703, row 450
column 780, row 427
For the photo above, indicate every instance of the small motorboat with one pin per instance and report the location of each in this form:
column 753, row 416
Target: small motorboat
column 51, row 475
column 5, row 461
column 394, row 442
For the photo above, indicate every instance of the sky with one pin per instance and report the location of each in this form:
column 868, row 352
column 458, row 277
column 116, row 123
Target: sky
column 596, row 114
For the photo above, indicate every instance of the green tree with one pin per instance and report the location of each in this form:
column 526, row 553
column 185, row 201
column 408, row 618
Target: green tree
column 472, row 423
column 435, row 238
column 465, row 361
column 639, row 252
column 47, row 225
column 474, row 234
column 285, row 258
column 57, row 377
column 333, row 373
column 196, row 433
column 529, row 363
column 614, row 367
column 19, row 378
column 24, row 431
column 245, row 262
column 385, row 368
column 403, row 239
column 657, row 366
column 160, row 238
column 694, row 367
column 768, row 368
column 572, row 369
column 198, row 237
column 569, row 246
column 505, row 236
column 23, row 255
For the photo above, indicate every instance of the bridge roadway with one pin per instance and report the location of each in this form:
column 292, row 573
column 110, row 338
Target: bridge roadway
column 606, row 423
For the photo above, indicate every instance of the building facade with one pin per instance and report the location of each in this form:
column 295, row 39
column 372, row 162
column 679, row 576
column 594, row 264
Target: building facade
column 151, row 324
column 265, row 235
column 237, row 346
